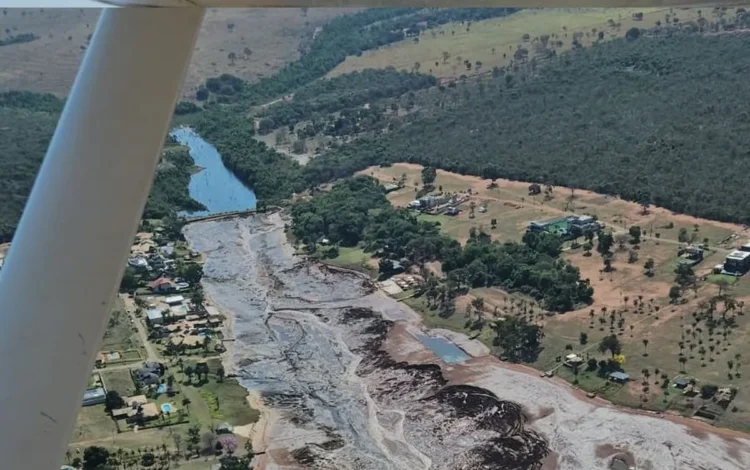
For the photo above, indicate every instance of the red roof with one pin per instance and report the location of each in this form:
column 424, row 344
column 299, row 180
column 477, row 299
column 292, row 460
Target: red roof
column 159, row 282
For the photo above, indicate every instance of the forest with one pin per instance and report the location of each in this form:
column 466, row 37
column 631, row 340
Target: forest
column 342, row 92
column 658, row 119
column 356, row 212
column 27, row 121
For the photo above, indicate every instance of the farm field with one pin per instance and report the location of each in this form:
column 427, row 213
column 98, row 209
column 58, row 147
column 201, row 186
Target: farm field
column 493, row 42
column 627, row 302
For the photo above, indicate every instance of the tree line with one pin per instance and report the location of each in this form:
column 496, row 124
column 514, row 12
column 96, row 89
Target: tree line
column 356, row 212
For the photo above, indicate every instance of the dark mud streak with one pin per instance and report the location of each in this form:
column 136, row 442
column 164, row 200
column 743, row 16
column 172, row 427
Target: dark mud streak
column 511, row 447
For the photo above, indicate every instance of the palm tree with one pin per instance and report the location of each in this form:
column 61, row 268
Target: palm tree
column 186, row 403
column 682, row 360
column 711, row 348
column 645, row 346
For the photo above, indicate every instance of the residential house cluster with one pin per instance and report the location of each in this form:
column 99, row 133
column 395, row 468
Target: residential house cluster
column 182, row 327
column 570, row 226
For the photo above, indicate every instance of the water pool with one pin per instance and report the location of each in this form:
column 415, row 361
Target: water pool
column 167, row 408
column 447, row 351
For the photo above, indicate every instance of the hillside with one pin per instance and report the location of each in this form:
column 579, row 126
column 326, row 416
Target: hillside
column 660, row 120
column 444, row 51
column 49, row 63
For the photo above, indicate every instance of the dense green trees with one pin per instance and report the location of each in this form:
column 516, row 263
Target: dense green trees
column 356, row 211
column 519, row 340
column 659, row 120
column 170, row 189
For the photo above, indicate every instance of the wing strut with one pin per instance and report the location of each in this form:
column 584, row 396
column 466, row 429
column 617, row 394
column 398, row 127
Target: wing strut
column 69, row 252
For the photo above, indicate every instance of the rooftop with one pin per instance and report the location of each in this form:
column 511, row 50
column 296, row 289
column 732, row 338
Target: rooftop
column 93, row 393
column 154, row 314
column 174, row 299
column 738, row 255
column 619, row 376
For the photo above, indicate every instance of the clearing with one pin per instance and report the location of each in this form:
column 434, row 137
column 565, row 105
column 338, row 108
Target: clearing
column 627, row 302
column 490, row 43
column 49, row 64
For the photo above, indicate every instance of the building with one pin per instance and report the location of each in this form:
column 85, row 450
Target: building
column 174, row 300
column 138, row 263
column 94, row 396
column 162, row 285
column 737, row 263
column 745, row 247
column 149, row 374
column 391, row 187
column 619, row 377
column 570, row 226
column 690, row 255
column 155, row 317
column 224, row 428
column 573, row 360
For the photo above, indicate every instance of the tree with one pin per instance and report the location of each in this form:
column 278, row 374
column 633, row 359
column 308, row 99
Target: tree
column 95, row 457
column 632, row 256
column 232, row 57
column 446, row 56
column 635, row 233
column 649, row 266
column 229, row 443
column 220, row 374
column 129, row 280
column 77, row 463
column 645, row 346
column 583, row 338
column 248, row 52
column 148, row 459
column 610, row 343
column 684, row 274
column 683, row 236
column 682, row 360
column 493, row 224
column 591, row 365
column 299, row 146
column 197, row 297
column 189, row 371
column 519, row 340
column 113, row 401
column 201, row 369
column 605, row 241
column 231, row 462
column 208, row 438
column 674, row 294
column 428, row 175
column 191, row 272
column 632, row 34
column 186, row 404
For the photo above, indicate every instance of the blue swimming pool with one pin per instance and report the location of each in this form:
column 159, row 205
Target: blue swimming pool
column 162, row 388
column 167, row 408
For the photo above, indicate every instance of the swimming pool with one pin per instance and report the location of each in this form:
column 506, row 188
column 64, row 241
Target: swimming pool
column 162, row 388
column 167, row 408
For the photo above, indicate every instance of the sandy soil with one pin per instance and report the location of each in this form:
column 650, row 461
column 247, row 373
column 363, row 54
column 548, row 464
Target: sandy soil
column 581, row 433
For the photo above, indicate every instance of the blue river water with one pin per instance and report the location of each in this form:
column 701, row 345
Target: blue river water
column 447, row 351
column 214, row 186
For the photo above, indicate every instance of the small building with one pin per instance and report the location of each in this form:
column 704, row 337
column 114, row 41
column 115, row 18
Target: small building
column 94, row 396
column 737, row 263
column 573, row 360
column 619, row 377
column 391, row 187
column 162, row 285
column 745, row 247
column 178, row 313
column 138, row 262
column 153, row 366
column 174, row 300
column 136, row 400
column 453, row 210
column 155, row 317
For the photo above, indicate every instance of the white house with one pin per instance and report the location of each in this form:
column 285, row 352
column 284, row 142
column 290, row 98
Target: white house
column 155, row 316
column 174, row 300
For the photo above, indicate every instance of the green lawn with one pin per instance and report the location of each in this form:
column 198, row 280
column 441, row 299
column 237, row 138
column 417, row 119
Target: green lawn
column 353, row 258
column 119, row 380
column 93, row 423
column 120, row 334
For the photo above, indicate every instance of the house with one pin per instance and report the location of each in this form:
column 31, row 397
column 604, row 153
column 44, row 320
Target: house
column 174, row 300
column 139, row 412
column 94, row 396
column 391, row 187
column 155, row 317
column 215, row 320
column 138, row 263
column 178, row 313
column 136, row 400
column 453, row 210
column 567, row 226
column 149, row 374
column 737, row 263
column 745, row 247
column 167, row 250
column 690, row 255
column 153, row 366
column 162, row 285
column 619, row 377
column 573, row 360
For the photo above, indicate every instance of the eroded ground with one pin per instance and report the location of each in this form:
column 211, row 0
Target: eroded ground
column 352, row 388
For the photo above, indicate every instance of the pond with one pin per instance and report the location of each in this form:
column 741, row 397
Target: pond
column 214, row 185
column 447, row 351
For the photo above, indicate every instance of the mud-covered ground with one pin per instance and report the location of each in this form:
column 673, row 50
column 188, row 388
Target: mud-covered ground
column 351, row 388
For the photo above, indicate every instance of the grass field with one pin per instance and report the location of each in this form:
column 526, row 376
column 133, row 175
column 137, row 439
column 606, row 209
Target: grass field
column 640, row 304
column 50, row 63
column 493, row 42
column 355, row 259
column 120, row 380
column 121, row 335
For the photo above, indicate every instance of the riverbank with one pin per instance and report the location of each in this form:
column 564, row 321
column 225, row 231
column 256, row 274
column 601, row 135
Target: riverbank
column 297, row 350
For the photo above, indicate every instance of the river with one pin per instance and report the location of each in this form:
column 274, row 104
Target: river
column 351, row 387
column 214, row 185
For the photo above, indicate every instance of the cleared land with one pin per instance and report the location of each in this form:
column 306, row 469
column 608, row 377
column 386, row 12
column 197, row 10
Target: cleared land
column 639, row 304
column 494, row 42
column 49, row 64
